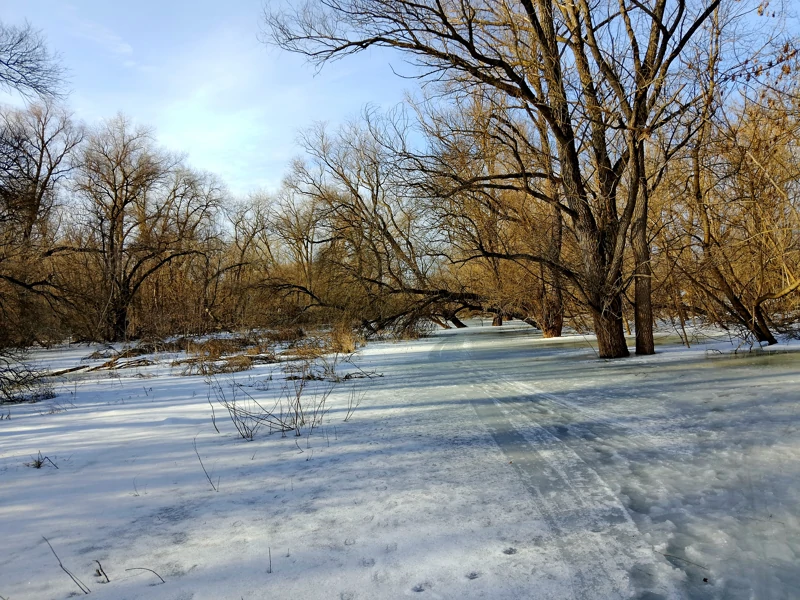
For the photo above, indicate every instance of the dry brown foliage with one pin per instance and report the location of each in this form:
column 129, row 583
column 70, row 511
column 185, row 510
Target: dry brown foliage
column 343, row 339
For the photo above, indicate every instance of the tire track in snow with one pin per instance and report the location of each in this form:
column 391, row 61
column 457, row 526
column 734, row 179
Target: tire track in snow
column 596, row 537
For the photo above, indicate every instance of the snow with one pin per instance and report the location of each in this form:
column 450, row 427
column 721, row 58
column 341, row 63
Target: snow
column 484, row 463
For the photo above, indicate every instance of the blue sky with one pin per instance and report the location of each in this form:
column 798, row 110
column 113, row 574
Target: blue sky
column 196, row 72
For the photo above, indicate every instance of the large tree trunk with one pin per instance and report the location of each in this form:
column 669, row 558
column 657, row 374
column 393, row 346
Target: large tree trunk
column 456, row 321
column 117, row 321
column 553, row 313
column 497, row 321
column 610, row 335
column 643, row 315
column 761, row 329
column 552, row 298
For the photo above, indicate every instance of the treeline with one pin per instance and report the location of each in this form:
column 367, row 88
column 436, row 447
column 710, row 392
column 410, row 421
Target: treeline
column 603, row 168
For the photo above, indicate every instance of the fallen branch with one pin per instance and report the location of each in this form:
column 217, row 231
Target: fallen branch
column 70, row 370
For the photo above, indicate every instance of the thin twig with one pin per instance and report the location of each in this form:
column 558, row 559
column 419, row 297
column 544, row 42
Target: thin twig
column 77, row 581
column 146, row 569
column 100, row 568
column 213, row 414
column 214, row 487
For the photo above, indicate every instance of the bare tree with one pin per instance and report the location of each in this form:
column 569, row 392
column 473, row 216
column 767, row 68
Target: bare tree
column 143, row 210
column 604, row 73
column 484, row 177
column 374, row 234
column 36, row 144
column 36, row 149
column 26, row 65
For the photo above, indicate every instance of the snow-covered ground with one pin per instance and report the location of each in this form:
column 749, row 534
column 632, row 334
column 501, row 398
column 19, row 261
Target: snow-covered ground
column 484, row 463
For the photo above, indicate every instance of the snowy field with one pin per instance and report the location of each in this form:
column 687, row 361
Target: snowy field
column 484, row 463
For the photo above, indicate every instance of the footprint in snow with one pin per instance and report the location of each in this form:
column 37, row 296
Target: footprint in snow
column 510, row 551
column 473, row 575
column 421, row 587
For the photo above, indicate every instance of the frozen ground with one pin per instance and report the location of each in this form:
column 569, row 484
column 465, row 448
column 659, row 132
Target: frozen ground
column 485, row 463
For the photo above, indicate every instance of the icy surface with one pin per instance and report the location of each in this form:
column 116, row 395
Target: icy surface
column 485, row 463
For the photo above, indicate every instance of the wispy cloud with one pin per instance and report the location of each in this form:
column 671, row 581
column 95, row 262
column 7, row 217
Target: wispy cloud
column 99, row 34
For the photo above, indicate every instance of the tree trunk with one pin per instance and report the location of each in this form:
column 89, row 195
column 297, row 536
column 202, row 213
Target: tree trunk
column 497, row 321
column 552, row 306
column 610, row 335
column 643, row 313
column 761, row 329
column 553, row 321
column 552, row 298
column 456, row 321
column 118, row 321
column 643, row 309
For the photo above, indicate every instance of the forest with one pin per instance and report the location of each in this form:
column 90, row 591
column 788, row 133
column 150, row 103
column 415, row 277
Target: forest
column 607, row 167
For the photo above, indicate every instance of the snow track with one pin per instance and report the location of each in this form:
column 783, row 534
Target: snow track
column 596, row 538
column 700, row 457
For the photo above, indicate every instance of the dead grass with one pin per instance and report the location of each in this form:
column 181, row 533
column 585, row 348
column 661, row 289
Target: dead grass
column 262, row 353
column 201, row 365
column 236, row 364
column 309, row 348
column 218, row 347
column 287, row 334
column 343, row 339
column 415, row 330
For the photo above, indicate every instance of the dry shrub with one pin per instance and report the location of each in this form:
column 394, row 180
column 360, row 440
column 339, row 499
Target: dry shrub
column 20, row 381
column 236, row 364
column 309, row 348
column 218, row 355
column 261, row 353
column 217, row 347
column 201, row 365
column 415, row 329
column 287, row 334
column 343, row 339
